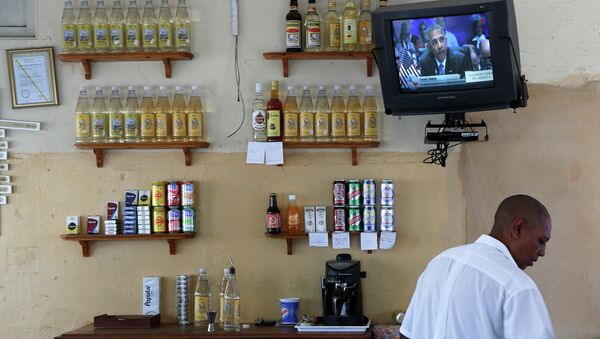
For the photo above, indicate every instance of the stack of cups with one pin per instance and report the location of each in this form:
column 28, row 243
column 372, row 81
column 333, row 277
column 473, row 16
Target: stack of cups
column 183, row 284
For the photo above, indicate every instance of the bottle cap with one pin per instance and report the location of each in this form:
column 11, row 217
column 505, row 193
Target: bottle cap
column 369, row 87
column 290, row 88
column 162, row 87
column 292, row 197
column 147, row 88
column 202, row 270
column 353, row 87
column 179, row 88
column 305, row 88
column 226, row 270
column 321, row 87
column 195, row 88
column 98, row 88
column 131, row 88
column 259, row 87
column 114, row 88
column 82, row 88
column 337, row 87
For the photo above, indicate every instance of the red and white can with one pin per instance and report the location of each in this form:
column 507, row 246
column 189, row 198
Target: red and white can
column 339, row 192
column 173, row 194
column 339, row 219
column 174, row 220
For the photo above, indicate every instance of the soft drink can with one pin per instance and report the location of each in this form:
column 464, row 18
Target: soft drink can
column 387, row 192
column 387, row 219
column 173, row 194
column 339, row 219
column 354, row 219
column 158, row 193
column 189, row 219
column 339, row 192
column 369, row 192
column 369, row 219
column 354, row 195
column 159, row 218
column 187, row 193
column 174, row 220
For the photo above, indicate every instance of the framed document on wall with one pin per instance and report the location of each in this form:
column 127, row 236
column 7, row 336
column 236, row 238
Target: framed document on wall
column 32, row 77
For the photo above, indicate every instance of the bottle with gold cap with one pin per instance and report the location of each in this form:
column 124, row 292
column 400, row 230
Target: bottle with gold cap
column 194, row 116
column 274, row 114
column 179, row 115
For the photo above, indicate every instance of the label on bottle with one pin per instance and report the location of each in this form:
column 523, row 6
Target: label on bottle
column 353, row 124
column 182, row 31
column 69, row 40
column 116, row 125
column 293, row 220
column 99, row 124
column 149, row 35
column 338, row 124
column 322, row 125
column 201, row 308
column 291, row 125
column 292, row 34
column 221, row 308
column 365, row 33
column 350, row 31
column 228, row 311
column 195, row 125
column 131, row 125
column 133, row 36
column 179, row 125
column 116, row 36
column 371, row 128
column 148, row 129
column 236, row 311
column 84, row 36
column 273, row 123
column 101, row 35
column 273, row 221
column 82, row 129
column 259, row 120
column 307, row 128
column 334, row 35
column 161, row 125
column 164, row 35
column 313, row 34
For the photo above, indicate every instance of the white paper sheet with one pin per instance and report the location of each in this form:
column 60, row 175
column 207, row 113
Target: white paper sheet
column 387, row 240
column 368, row 241
column 318, row 239
column 274, row 153
column 255, row 153
column 340, row 239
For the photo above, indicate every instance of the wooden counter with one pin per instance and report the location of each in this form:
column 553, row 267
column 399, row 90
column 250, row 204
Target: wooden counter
column 173, row 331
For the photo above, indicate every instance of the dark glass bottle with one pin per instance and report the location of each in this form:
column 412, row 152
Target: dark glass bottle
column 273, row 216
column 274, row 114
column 293, row 29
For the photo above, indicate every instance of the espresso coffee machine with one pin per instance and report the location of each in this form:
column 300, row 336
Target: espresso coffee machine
column 342, row 295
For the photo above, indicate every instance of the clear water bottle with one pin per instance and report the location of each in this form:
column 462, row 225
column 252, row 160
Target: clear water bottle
column 231, row 304
column 222, row 294
column 201, row 300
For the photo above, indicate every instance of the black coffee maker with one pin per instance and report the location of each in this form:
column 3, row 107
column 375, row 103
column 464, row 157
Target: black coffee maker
column 342, row 295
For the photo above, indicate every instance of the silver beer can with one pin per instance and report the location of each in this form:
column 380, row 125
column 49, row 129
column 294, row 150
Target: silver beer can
column 387, row 192
column 369, row 219
column 386, row 220
column 369, row 192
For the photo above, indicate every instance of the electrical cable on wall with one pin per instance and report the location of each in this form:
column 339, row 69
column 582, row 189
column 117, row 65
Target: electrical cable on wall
column 240, row 96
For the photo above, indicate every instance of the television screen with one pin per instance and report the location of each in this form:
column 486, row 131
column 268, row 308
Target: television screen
column 445, row 52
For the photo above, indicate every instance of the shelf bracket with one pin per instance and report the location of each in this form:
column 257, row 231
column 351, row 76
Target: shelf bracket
column 187, row 154
column 167, row 63
column 99, row 157
column 286, row 68
column 172, row 248
column 85, row 248
column 354, row 156
column 370, row 67
column 87, row 68
column 289, row 245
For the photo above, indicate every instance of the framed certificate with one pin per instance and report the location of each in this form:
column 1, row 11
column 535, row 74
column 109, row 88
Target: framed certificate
column 32, row 77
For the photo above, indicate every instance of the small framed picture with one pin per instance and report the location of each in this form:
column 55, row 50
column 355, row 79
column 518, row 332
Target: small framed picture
column 3, row 167
column 5, row 189
column 4, row 179
column 3, row 200
column 32, row 77
column 3, row 155
column 3, row 144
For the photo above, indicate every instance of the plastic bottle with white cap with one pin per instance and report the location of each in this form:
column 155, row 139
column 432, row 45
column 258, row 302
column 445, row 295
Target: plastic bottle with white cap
column 195, row 119
column 116, row 121
column 179, row 115
column 148, row 117
column 163, row 116
column 132, row 116
column 99, row 119
column 82, row 117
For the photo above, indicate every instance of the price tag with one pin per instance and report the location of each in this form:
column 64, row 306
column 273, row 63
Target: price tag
column 387, row 240
column 340, row 239
column 256, row 153
column 318, row 239
column 368, row 241
column 274, row 153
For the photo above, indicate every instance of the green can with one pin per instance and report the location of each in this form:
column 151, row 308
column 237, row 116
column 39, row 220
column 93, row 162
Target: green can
column 354, row 194
column 188, row 219
column 354, row 219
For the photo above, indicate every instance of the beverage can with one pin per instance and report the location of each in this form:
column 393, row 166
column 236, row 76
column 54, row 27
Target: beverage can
column 158, row 193
column 386, row 219
column 354, row 194
column 354, row 219
column 387, row 192
column 173, row 194
column 369, row 192
column 187, row 193
column 159, row 220
column 174, row 220
column 188, row 219
column 369, row 219
column 339, row 192
column 339, row 218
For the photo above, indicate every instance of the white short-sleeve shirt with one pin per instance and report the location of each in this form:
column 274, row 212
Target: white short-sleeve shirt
column 476, row 291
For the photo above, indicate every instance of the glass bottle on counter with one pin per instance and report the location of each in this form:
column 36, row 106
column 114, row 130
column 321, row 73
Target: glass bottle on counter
column 226, row 273
column 354, row 115
column 307, row 116
column 332, row 27
column 116, row 122
column 293, row 28
column 195, row 119
column 291, row 113
column 273, row 216
column 148, row 118
column 69, row 28
column 117, row 28
column 149, row 28
column 371, row 115
column 164, row 120
column 182, row 28
column 322, row 116
column 365, row 27
column 82, row 117
column 101, row 28
column 259, row 115
column 383, row 3
column 349, row 27
column 231, row 303
column 99, row 119
column 201, row 300
column 179, row 115
column 293, row 215
column 312, row 28
column 338, row 115
column 165, row 27
column 274, row 114
column 85, row 29
column 132, row 116
column 133, row 41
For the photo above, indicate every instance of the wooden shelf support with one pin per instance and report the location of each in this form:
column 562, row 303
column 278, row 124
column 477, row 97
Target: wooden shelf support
column 188, row 156
column 354, row 157
column 99, row 157
column 172, row 246
column 289, row 245
column 87, row 68
column 167, row 63
column 285, row 57
column 85, row 248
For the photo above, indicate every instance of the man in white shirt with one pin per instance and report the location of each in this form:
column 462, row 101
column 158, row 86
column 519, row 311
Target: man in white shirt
column 480, row 291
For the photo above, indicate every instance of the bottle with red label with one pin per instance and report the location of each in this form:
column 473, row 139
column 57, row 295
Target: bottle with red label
column 273, row 216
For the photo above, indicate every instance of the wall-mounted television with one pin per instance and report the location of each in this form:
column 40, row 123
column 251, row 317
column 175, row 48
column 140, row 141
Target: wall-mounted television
column 450, row 56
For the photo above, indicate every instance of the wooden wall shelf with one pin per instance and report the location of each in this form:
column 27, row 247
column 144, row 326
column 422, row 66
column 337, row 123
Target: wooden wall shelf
column 289, row 238
column 285, row 57
column 85, row 239
column 186, row 146
column 87, row 59
column 353, row 146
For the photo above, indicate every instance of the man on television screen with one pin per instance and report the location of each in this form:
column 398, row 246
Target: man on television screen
column 439, row 59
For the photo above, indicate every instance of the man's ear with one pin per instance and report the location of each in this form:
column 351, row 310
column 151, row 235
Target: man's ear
column 516, row 227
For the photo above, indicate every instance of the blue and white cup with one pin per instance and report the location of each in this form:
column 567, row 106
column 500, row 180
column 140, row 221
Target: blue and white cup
column 289, row 310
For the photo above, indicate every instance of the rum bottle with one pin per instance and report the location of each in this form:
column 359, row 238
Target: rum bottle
column 312, row 28
column 349, row 27
column 226, row 274
column 194, row 116
column 99, row 120
column 371, row 115
column 322, row 116
column 259, row 115
column 293, row 29
column 332, row 27
column 148, row 118
column 179, row 115
column 117, row 28
column 165, row 27
column 307, row 116
column 163, row 116
column 149, row 28
column 133, row 41
column 338, row 115
column 201, row 300
column 293, row 215
column 115, row 116
column 132, row 116
column 354, row 115
column 101, row 28
column 365, row 27
column 291, row 113
column 231, row 303
column 182, row 28
column 85, row 29
column 69, row 28
column 274, row 114
column 273, row 216
column 82, row 117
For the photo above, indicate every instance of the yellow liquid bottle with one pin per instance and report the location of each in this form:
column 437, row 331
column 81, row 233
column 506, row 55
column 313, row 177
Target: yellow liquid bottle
column 349, row 27
column 179, row 115
column 149, row 28
column 293, row 216
column 116, row 121
column 101, row 28
column 163, row 116
column 165, row 27
column 307, row 116
column 312, row 28
column 365, row 27
column 132, row 116
column 371, row 115
column 117, row 28
column 69, row 28
column 182, row 28
column 322, row 116
column 82, row 117
column 85, row 29
column 290, row 116
column 99, row 118
column 354, row 116
column 133, row 42
column 148, row 118
column 338, row 116
column 195, row 119
column 332, row 27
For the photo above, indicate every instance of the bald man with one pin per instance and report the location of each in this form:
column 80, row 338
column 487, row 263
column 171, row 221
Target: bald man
column 480, row 290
